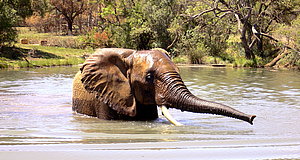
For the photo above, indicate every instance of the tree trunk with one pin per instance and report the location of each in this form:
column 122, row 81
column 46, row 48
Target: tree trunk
column 248, row 52
column 275, row 60
column 260, row 46
column 70, row 27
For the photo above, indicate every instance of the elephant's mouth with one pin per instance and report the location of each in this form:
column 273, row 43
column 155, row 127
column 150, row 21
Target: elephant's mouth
column 168, row 116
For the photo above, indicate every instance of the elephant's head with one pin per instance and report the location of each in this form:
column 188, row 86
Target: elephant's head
column 134, row 83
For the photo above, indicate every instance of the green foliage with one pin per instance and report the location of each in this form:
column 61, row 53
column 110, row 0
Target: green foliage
column 95, row 39
column 289, row 33
column 200, row 37
column 10, row 13
column 138, row 24
column 289, row 36
column 214, row 36
column 182, row 59
column 213, row 60
column 7, row 21
column 197, row 53
column 234, row 49
column 141, row 38
column 3, row 63
column 243, row 62
column 41, row 7
column 216, row 27
column 159, row 16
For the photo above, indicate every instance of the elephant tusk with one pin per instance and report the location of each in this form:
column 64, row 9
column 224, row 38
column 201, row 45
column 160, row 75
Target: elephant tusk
column 167, row 114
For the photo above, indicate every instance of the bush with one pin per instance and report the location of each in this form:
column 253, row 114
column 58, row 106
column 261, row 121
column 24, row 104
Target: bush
column 65, row 41
column 213, row 60
column 182, row 59
column 141, row 38
column 45, row 24
column 197, row 53
column 3, row 63
column 243, row 62
column 95, row 39
column 8, row 34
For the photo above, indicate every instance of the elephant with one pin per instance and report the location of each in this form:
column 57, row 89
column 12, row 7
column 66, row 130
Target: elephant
column 126, row 84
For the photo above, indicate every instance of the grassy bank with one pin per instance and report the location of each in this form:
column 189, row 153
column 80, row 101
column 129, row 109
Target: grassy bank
column 35, row 55
column 21, row 56
column 67, row 50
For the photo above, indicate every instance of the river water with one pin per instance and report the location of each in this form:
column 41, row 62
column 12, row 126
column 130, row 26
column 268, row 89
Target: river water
column 36, row 119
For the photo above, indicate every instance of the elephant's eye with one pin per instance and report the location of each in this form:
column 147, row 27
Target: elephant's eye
column 150, row 77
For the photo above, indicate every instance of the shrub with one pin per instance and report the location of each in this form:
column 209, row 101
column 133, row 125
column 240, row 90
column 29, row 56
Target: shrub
column 243, row 62
column 182, row 59
column 95, row 39
column 213, row 60
column 44, row 24
column 8, row 34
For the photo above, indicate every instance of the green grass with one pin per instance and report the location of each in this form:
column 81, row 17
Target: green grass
column 58, row 51
column 47, row 56
column 31, row 34
column 57, row 62
column 35, row 55
column 52, row 39
column 39, row 62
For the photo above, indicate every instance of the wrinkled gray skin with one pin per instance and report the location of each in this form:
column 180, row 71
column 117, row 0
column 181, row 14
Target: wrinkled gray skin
column 126, row 84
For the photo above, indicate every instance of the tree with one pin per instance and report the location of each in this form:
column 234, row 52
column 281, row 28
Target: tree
column 7, row 21
column 140, row 24
column 70, row 9
column 11, row 11
column 159, row 16
column 40, row 7
column 251, row 17
column 288, row 41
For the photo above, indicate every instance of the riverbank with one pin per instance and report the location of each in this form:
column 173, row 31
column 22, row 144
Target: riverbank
column 35, row 55
column 34, row 49
column 48, row 49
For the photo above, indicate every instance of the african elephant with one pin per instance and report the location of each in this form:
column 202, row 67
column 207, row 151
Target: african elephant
column 129, row 85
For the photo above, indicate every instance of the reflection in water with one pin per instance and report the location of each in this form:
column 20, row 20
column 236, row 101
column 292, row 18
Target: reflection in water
column 35, row 108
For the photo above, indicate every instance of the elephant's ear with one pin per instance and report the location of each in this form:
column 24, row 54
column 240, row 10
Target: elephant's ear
column 105, row 73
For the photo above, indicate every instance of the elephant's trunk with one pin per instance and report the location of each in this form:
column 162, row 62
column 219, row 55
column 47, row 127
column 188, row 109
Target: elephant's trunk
column 181, row 98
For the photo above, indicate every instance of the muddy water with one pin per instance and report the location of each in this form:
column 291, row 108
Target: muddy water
column 36, row 118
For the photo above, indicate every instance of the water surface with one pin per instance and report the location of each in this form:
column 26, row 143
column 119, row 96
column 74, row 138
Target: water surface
column 36, row 115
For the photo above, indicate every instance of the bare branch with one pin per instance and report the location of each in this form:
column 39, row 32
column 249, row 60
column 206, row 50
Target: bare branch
column 276, row 40
column 239, row 22
column 206, row 11
column 252, row 43
column 175, row 39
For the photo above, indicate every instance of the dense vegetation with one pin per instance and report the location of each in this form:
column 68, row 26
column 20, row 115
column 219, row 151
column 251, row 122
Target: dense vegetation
column 243, row 33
